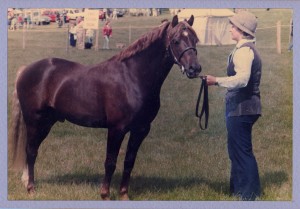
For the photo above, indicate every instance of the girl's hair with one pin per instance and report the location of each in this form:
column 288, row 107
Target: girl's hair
column 247, row 36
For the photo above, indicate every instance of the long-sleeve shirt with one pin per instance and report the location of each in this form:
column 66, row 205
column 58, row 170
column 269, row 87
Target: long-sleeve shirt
column 107, row 30
column 242, row 59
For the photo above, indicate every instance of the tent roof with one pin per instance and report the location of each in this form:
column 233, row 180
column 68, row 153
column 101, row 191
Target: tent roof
column 186, row 13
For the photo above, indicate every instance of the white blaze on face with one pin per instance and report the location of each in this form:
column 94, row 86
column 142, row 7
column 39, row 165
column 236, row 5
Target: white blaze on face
column 185, row 33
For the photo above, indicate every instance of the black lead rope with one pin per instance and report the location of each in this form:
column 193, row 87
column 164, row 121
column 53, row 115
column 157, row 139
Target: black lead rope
column 205, row 106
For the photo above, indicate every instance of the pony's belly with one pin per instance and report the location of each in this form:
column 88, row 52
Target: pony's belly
column 87, row 121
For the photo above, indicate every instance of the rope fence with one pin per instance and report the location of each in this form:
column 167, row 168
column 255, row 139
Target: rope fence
column 133, row 34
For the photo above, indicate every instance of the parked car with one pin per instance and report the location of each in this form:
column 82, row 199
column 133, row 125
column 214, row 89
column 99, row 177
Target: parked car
column 39, row 19
column 72, row 14
column 121, row 12
column 51, row 15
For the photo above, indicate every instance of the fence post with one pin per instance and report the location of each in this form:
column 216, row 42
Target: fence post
column 279, row 37
column 68, row 38
column 97, row 40
column 129, row 35
column 23, row 36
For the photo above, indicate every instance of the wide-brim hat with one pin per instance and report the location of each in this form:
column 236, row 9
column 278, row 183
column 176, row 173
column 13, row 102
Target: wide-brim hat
column 245, row 21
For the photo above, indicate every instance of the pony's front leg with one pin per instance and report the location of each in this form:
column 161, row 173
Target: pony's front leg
column 114, row 141
column 136, row 138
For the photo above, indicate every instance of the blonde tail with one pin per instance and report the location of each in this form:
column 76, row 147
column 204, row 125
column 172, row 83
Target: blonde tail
column 17, row 134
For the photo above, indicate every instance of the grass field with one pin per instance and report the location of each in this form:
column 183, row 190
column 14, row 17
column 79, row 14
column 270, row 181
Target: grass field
column 177, row 161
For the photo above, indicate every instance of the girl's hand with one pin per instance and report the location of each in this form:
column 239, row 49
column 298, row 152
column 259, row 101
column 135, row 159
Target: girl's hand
column 211, row 80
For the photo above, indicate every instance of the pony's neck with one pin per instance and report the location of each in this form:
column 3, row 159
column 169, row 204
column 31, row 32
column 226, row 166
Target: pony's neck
column 149, row 56
column 155, row 64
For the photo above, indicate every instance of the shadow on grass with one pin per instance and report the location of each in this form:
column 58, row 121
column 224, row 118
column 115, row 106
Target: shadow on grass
column 138, row 184
column 141, row 184
column 276, row 178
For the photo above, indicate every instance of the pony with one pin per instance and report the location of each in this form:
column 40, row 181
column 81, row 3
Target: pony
column 121, row 94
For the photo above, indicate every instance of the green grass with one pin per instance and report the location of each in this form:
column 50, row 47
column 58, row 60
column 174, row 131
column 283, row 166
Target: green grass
column 177, row 161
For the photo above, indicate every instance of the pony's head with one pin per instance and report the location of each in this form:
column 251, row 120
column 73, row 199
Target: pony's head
column 181, row 44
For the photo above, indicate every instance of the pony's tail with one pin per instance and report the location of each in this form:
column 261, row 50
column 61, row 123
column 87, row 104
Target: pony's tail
column 17, row 134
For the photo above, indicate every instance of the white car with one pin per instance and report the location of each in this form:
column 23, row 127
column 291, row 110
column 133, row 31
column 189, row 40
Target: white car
column 74, row 13
column 39, row 19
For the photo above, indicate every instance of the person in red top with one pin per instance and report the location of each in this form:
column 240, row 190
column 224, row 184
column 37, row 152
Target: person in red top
column 20, row 21
column 107, row 32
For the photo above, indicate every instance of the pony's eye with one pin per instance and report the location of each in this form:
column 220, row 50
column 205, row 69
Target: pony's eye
column 176, row 42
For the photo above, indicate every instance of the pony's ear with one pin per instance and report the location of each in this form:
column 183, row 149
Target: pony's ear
column 191, row 20
column 175, row 21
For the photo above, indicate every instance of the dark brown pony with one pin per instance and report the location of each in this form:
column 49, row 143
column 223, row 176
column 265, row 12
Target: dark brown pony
column 121, row 94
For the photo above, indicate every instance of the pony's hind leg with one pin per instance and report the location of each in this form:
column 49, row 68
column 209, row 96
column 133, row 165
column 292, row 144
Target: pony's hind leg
column 36, row 133
column 135, row 140
column 114, row 141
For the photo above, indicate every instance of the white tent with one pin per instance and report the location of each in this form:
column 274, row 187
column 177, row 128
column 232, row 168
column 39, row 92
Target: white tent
column 211, row 25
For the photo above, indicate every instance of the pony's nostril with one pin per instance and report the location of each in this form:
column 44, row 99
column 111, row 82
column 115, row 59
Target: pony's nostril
column 195, row 68
column 192, row 69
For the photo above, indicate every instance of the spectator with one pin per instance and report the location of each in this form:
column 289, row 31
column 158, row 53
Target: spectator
column 72, row 32
column 80, row 33
column 105, row 11
column 29, row 23
column 13, row 23
column 19, row 21
column 59, row 19
column 115, row 14
column 107, row 33
column 10, row 16
column 154, row 12
column 64, row 14
column 89, row 36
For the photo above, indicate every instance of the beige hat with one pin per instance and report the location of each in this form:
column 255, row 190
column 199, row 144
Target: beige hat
column 245, row 21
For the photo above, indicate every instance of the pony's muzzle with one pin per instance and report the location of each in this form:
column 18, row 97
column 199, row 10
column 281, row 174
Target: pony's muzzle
column 193, row 71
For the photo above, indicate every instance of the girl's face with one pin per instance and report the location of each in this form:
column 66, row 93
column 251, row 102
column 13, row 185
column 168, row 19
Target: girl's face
column 236, row 34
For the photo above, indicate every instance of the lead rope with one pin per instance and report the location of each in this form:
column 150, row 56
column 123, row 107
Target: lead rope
column 205, row 106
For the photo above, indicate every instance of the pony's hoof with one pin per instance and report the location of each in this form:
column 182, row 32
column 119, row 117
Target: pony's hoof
column 124, row 197
column 30, row 190
column 104, row 192
column 105, row 197
column 124, row 193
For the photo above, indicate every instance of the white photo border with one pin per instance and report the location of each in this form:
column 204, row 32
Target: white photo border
column 294, row 4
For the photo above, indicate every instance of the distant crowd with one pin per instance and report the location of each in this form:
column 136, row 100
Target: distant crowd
column 83, row 38
column 78, row 36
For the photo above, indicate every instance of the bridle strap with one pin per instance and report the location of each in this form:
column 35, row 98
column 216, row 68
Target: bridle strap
column 177, row 61
column 188, row 48
column 205, row 106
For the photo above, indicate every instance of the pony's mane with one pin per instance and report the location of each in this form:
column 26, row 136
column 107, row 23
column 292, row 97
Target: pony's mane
column 143, row 42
